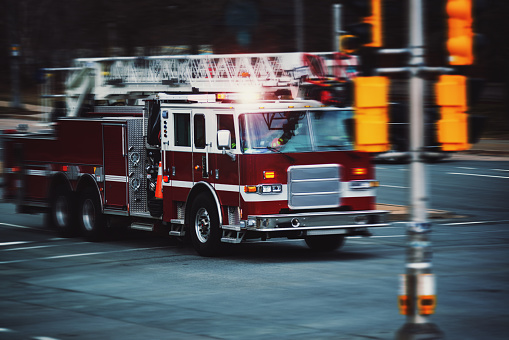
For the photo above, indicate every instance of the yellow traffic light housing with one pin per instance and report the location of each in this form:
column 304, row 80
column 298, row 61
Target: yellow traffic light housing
column 375, row 20
column 367, row 32
column 460, row 39
column 451, row 93
column 371, row 119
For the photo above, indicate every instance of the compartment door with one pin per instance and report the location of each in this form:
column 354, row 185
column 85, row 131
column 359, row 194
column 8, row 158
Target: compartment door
column 115, row 166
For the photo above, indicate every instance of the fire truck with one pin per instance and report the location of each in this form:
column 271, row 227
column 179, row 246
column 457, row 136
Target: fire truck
column 218, row 149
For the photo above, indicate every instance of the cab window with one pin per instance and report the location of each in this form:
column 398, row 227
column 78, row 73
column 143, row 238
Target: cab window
column 225, row 122
column 182, row 129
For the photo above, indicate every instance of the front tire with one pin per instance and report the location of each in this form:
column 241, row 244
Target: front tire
column 204, row 227
column 325, row 243
column 92, row 221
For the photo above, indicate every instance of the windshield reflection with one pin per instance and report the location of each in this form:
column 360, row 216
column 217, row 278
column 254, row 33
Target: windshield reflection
column 295, row 131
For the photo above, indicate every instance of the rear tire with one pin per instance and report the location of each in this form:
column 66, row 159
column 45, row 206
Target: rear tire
column 62, row 215
column 325, row 243
column 204, row 227
column 92, row 221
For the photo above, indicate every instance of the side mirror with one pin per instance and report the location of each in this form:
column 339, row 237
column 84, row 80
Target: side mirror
column 224, row 139
column 224, row 142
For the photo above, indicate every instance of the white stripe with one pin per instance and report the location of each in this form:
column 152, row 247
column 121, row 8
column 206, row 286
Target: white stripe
column 36, row 172
column 393, row 186
column 466, row 168
column 477, row 175
column 181, row 184
column 17, row 226
column 474, row 222
column 115, row 178
column 422, row 265
column 77, row 255
column 500, row 169
column 228, row 187
column 13, row 243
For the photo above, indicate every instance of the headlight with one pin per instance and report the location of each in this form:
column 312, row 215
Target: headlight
column 270, row 188
column 363, row 185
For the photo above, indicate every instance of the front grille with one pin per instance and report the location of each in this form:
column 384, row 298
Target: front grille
column 314, row 186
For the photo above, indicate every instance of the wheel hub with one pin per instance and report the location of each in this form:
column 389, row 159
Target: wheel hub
column 88, row 215
column 202, row 225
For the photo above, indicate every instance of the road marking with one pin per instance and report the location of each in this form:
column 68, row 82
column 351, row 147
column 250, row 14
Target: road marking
column 22, row 227
column 82, row 254
column 477, row 175
column 13, row 243
column 43, row 338
column 420, row 265
column 393, row 186
column 500, row 170
column 466, row 168
column 473, row 222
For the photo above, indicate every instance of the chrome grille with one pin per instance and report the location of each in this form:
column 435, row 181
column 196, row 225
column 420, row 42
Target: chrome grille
column 314, row 186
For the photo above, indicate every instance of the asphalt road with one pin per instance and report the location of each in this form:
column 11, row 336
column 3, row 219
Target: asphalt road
column 137, row 286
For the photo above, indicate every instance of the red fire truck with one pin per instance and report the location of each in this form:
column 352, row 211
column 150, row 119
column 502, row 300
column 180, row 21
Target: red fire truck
column 211, row 147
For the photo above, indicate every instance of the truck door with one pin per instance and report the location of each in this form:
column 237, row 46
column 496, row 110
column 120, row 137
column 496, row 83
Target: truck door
column 114, row 160
column 226, row 169
column 180, row 155
column 202, row 136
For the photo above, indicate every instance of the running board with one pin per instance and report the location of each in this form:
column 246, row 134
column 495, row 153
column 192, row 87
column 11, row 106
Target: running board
column 177, row 228
column 142, row 226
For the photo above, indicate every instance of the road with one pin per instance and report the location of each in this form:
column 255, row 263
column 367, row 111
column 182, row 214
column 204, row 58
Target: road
column 137, row 286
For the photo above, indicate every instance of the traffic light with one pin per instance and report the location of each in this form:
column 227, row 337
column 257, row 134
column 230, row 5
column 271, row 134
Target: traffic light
column 371, row 118
column 451, row 93
column 366, row 33
column 460, row 43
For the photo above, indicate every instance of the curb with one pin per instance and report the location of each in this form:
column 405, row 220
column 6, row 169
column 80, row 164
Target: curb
column 400, row 212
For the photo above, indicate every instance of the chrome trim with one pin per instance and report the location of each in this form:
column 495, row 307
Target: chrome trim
column 316, row 221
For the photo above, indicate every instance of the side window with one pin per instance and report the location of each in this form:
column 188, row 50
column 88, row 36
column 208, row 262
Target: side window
column 225, row 122
column 199, row 131
column 182, row 129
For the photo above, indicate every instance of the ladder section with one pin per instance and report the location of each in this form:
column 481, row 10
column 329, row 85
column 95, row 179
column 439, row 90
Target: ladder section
column 204, row 73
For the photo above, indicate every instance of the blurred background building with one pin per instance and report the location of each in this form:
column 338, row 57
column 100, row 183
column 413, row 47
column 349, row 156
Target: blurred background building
column 49, row 33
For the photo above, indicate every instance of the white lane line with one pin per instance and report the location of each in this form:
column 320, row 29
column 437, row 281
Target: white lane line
column 13, row 243
column 44, row 246
column 477, row 175
column 43, row 338
column 393, row 186
column 466, row 168
column 78, row 255
column 507, row 170
column 14, row 225
column 22, row 226
column 474, row 222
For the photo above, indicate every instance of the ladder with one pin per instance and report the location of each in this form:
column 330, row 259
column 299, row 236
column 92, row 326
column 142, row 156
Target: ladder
column 138, row 77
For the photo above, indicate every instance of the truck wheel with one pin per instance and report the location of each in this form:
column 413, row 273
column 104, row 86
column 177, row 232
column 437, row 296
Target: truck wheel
column 92, row 220
column 325, row 243
column 204, row 227
column 62, row 212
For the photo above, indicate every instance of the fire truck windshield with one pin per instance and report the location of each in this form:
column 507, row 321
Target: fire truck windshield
column 295, row 131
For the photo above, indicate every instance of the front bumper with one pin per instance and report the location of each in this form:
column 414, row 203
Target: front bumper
column 316, row 223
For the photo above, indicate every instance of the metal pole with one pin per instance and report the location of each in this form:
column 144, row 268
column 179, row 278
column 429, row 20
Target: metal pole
column 299, row 24
column 336, row 26
column 418, row 261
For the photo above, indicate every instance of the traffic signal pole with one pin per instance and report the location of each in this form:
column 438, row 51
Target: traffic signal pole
column 417, row 291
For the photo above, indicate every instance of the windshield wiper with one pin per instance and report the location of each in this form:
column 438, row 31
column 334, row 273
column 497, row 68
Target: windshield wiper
column 273, row 149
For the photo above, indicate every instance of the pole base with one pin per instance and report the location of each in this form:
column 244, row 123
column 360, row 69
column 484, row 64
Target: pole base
column 419, row 331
